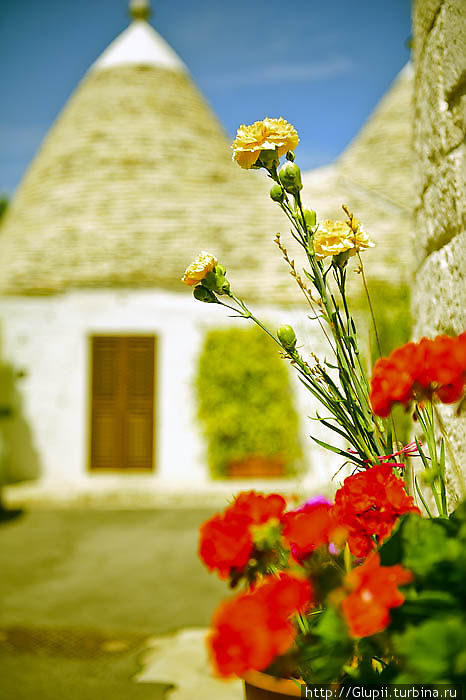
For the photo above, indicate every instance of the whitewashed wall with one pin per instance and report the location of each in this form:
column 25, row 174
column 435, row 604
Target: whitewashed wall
column 48, row 338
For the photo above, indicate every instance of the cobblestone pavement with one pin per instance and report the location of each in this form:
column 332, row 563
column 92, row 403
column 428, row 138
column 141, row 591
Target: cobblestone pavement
column 84, row 595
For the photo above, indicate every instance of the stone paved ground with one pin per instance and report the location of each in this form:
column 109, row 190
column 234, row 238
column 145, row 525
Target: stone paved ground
column 85, row 594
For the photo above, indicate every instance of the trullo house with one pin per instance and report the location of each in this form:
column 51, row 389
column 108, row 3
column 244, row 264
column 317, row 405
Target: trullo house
column 133, row 179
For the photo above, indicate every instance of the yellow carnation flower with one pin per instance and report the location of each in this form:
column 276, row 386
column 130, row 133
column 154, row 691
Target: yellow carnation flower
column 198, row 269
column 334, row 237
column 360, row 238
column 267, row 134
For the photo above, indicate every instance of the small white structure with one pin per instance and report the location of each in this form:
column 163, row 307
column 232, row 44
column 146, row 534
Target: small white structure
column 134, row 178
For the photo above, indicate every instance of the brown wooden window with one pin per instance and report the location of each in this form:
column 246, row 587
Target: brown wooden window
column 122, row 402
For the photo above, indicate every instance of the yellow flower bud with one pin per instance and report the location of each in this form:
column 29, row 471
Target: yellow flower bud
column 198, row 269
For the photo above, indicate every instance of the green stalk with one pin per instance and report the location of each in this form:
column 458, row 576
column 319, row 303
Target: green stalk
column 367, row 434
column 317, row 390
column 426, row 420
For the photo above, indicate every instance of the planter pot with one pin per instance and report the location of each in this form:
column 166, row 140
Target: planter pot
column 261, row 686
column 256, row 467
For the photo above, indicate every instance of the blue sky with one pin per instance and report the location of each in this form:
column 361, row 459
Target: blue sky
column 323, row 65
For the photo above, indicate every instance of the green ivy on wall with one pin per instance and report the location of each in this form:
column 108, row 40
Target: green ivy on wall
column 245, row 404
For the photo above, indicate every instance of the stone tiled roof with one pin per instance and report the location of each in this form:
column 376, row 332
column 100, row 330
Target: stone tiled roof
column 374, row 178
column 136, row 176
column 380, row 158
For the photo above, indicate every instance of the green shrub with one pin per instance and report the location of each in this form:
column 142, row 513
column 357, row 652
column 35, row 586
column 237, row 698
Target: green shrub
column 245, row 401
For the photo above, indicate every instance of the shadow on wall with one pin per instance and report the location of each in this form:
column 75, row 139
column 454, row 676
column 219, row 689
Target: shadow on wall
column 19, row 460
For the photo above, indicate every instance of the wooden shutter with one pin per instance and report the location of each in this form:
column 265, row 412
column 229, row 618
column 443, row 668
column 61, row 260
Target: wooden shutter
column 122, row 413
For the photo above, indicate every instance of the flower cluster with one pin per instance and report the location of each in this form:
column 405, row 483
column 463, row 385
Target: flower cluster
column 366, row 508
column 418, row 371
column 253, row 628
column 227, row 539
column 275, row 135
column 374, row 590
column 368, row 505
column 335, row 237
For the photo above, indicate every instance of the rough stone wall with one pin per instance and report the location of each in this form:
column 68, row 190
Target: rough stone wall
column 439, row 299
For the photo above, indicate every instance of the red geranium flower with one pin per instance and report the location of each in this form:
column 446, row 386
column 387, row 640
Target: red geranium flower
column 225, row 539
column 285, row 594
column 368, row 505
column 431, row 367
column 374, row 590
column 225, row 543
column 250, row 630
column 258, row 508
column 307, row 529
column 241, row 639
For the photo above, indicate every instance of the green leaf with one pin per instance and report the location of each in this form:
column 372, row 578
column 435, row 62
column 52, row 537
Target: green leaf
column 324, row 657
column 426, row 544
column 392, row 550
column 433, row 652
column 460, row 513
column 338, row 451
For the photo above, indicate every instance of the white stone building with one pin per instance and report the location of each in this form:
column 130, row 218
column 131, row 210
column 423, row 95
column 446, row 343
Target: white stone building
column 134, row 178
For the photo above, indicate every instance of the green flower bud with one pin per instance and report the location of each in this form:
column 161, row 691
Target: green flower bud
column 290, row 177
column 223, row 284
column 310, row 218
column 201, row 293
column 210, row 280
column 277, row 193
column 287, row 337
column 268, row 158
column 341, row 259
column 216, row 281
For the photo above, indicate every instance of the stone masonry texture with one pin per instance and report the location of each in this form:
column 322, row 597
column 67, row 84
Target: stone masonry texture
column 439, row 246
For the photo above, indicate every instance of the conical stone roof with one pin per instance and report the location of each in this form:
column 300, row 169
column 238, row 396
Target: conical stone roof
column 380, row 158
column 132, row 180
column 136, row 176
column 374, row 177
